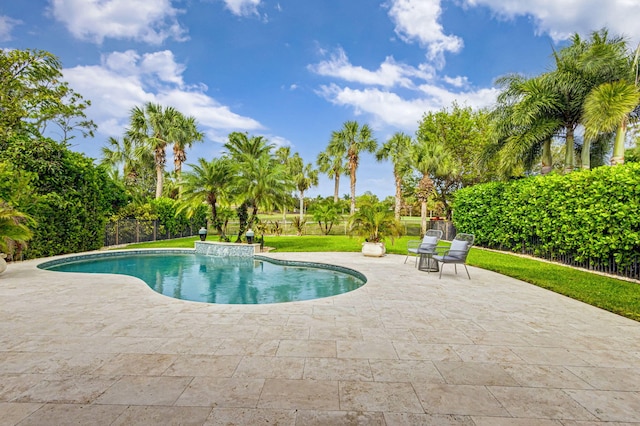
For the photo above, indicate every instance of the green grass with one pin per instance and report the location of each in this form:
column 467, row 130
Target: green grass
column 618, row 296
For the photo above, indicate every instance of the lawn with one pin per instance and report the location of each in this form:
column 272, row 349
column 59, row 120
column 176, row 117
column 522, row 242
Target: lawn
column 618, row 296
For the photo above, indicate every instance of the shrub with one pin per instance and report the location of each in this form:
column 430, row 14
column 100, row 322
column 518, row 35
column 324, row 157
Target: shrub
column 592, row 214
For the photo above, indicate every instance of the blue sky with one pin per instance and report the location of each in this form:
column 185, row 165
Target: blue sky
column 294, row 71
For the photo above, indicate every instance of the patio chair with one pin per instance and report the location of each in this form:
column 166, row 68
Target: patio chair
column 426, row 245
column 457, row 253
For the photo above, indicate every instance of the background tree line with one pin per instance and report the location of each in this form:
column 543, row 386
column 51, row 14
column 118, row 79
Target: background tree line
column 574, row 116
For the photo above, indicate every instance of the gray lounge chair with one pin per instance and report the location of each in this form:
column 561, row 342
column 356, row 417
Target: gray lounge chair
column 426, row 245
column 457, row 253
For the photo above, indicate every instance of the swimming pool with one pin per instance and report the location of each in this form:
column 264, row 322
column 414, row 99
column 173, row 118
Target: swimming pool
column 231, row 280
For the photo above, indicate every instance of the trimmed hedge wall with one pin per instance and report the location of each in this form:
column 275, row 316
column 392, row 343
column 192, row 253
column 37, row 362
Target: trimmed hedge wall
column 593, row 214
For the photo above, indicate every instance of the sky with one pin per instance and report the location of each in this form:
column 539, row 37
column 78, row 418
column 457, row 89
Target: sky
column 293, row 71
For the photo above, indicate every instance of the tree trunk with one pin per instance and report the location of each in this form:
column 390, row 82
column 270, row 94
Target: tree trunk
column 547, row 159
column 398, row 197
column 569, row 155
column 336, row 188
column 618, row 145
column 585, row 156
column 301, row 206
column 353, row 188
column 423, row 218
column 159, row 180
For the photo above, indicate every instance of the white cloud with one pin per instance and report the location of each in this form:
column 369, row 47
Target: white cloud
column 395, row 95
column 458, row 81
column 243, row 7
column 418, row 20
column 561, row 18
column 390, row 109
column 389, row 74
column 126, row 79
column 150, row 21
column 6, row 26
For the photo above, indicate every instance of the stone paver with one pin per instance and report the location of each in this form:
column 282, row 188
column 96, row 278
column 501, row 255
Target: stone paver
column 407, row 348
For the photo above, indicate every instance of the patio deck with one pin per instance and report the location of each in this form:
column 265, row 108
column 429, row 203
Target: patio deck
column 405, row 349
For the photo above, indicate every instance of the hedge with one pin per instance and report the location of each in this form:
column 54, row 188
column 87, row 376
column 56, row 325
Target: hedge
column 594, row 215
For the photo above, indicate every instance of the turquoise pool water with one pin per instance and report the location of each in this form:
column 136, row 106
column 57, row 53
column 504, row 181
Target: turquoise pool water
column 209, row 279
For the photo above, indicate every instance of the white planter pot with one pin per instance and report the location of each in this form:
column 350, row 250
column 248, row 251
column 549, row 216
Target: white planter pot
column 3, row 264
column 373, row 249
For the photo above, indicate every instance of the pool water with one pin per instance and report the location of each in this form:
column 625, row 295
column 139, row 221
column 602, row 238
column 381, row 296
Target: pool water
column 223, row 280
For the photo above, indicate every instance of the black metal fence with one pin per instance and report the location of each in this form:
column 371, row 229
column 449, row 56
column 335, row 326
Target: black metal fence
column 127, row 231
column 627, row 268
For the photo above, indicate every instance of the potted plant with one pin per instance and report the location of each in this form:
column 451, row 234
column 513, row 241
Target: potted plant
column 374, row 222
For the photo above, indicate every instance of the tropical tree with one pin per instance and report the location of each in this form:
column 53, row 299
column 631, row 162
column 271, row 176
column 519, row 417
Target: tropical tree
column 398, row 150
column 523, row 125
column 332, row 163
column 261, row 179
column 33, row 96
column 154, row 127
column 432, row 161
column 446, row 154
column 326, row 214
column 14, row 231
column 209, row 182
column 353, row 139
column 304, row 177
column 186, row 135
column 136, row 163
column 609, row 105
column 375, row 222
column 241, row 147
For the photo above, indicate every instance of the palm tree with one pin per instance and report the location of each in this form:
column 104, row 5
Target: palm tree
column 332, row 163
column 524, row 124
column 187, row 133
column 304, row 177
column 261, row 179
column 374, row 222
column 398, row 149
column 209, row 182
column 609, row 105
column 13, row 229
column 283, row 156
column 352, row 140
column 122, row 154
column 242, row 147
column 155, row 127
column 430, row 159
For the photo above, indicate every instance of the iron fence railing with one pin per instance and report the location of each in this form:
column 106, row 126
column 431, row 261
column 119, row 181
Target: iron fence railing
column 127, row 231
column 627, row 268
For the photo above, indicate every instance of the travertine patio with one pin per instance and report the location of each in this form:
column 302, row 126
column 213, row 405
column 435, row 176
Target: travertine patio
column 405, row 349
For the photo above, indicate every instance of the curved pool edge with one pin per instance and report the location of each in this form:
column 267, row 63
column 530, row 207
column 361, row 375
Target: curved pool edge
column 58, row 260
column 44, row 263
column 302, row 263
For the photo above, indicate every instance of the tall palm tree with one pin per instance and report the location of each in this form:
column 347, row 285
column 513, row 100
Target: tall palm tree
column 332, row 163
column 398, row 150
column 524, row 123
column 304, row 177
column 609, row 105
column 353, row 139
column 209, row 182
column 155, row 127
column 261, row 179
column 186, row 134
